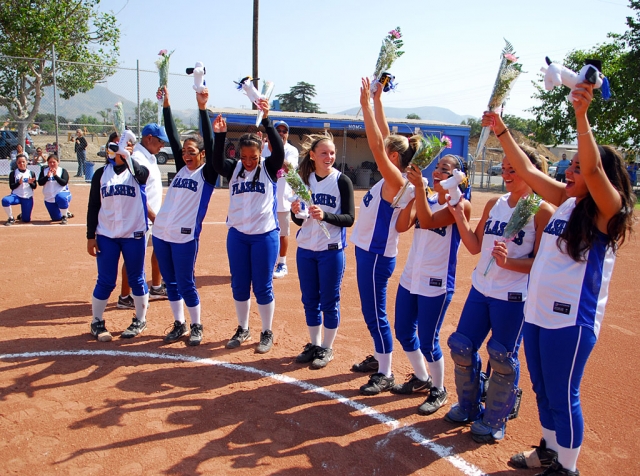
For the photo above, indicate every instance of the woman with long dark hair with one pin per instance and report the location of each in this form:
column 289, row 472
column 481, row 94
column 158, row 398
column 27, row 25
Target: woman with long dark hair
column 569, row 281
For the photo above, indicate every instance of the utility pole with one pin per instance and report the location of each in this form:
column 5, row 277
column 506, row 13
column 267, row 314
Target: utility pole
column 256, row 14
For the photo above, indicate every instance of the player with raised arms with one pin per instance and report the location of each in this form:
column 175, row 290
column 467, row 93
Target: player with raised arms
column 569, row 282
column 253, row 237
column 176, row 231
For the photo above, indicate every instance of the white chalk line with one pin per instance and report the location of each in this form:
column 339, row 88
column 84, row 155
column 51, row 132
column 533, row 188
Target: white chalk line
column 414, row 435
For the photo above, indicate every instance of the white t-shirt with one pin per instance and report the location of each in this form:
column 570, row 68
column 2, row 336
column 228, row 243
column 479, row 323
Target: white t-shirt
column 563, row 292
column 52, row 187
column 180, row 217
column 24, row 190
column 326, row 195
column 252, row 205
column 123, row 207
column 500, row 283
column 375, row 228
column 431, row 264
column 154, row 182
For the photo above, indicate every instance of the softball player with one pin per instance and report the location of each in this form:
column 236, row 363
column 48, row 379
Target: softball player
column 116, row 224
column 495, row 303
column 376, row 238
column 22, row 183
column 569, row 282
column 177, row 228
column 427, row 283
column 54, row 182
column 321, row 260
column 253, row 238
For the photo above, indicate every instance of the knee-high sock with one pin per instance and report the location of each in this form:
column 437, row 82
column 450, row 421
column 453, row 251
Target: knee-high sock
column 8, row 212
column 242, row 312
column 550, row 439
column 329, row 337
column 417, row 362
column 384, row 363
column 315, row 334
column 436, row 369
column 266, row 314
column 568, row 457
column 194, row 314
column 64, row 211
column 97, row 308
column 178, row 310
column 141, row 302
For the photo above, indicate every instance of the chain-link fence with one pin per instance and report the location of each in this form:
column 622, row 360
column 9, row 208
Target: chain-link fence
column 53, row 128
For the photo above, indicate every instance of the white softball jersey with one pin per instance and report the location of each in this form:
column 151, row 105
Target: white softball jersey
column 252, row 205
column 431, row 265
column 375, row 228
column 326, row 195
column 563, row 292
column 185, row 206
column 24, row 190
column 153, row 187
column 123, row 205
column 53, row 188
column 284, row 192
column 500, row 283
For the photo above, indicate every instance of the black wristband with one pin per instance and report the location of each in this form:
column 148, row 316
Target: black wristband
column 506, row 129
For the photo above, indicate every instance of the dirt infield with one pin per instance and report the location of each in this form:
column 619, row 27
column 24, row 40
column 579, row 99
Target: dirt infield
column 71, row 405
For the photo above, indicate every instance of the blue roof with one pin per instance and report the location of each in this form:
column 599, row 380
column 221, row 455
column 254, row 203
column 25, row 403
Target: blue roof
column 459, row 134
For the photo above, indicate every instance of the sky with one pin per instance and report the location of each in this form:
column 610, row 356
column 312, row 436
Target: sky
column 452, row 48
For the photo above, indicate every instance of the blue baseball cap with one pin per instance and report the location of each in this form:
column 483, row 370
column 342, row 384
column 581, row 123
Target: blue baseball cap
column 155, row 130
column 281, row 123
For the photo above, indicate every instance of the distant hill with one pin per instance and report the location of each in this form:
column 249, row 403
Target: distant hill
column 430, row 113
column 89, row 103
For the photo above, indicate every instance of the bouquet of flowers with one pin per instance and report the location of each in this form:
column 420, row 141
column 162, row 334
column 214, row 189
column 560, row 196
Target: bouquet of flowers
column 163, row 71
column 525, row 209
column 428, row 150
column 389, row 52
column 302, row 191
column 508, row 72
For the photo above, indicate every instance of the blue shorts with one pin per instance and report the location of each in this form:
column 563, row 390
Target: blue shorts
column 177, row 263
column 26, row 205
column 62, row 201
column 320, row 275
column 251, row 262
column 373, row 272
column 132, row 250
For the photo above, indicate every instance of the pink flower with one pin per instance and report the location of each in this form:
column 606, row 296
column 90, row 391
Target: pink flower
column 511, row 57
column 446, row 141
column 396, row 34
column 162, row 52
column 281, row 173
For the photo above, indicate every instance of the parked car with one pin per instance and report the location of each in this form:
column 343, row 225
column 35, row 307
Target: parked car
column 552, row 170
column 495, row 169
column 164, row 155
column 9, row 141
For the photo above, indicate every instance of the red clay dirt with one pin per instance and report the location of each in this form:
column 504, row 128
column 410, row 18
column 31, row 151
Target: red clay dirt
column 147, row 414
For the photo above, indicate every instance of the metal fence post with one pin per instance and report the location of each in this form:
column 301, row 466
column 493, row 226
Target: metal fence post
column 138, row 89
column 55, row 100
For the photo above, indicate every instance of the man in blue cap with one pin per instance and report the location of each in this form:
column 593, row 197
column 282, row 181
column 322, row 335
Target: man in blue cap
column 153, row 139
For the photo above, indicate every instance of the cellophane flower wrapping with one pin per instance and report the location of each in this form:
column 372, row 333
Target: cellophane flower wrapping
column 429, row 149
column 508, row 72
column 162, row 64
column 526, row 208
column 300, row 189
column 118, row 118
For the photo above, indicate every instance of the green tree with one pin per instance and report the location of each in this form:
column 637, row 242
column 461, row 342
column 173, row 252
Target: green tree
column 83, row 122
column 475, row 124
column 526, row 126
column 413, row 115
column 613, row 122
column 29, row 28
column 298, row 99
column 148, row 112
